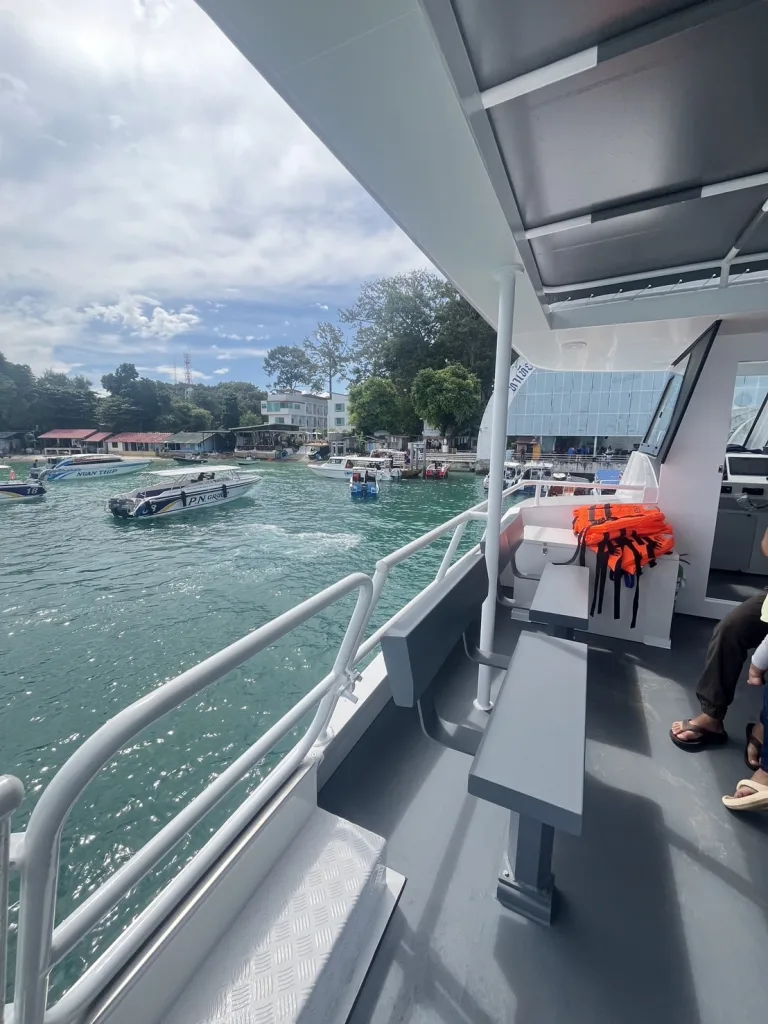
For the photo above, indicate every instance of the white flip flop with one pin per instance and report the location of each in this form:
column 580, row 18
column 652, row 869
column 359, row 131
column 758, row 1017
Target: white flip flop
column 756, row 801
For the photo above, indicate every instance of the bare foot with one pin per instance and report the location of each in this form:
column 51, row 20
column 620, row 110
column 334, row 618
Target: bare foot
column 760, row 776
column 703, row 721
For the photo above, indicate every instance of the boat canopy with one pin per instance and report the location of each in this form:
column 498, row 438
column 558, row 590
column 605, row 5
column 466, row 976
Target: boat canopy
column 617, row 152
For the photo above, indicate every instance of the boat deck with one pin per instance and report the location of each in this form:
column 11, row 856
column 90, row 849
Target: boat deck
column 664, row 898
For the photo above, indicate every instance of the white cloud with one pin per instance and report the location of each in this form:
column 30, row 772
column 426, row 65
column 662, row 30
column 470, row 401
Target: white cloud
column 141, row 155
column 243, row 353
column 321, row 305
column 174, row 371
column 129, row 313
column 222, row 369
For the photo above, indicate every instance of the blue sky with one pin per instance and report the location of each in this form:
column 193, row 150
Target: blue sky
column 157, row 197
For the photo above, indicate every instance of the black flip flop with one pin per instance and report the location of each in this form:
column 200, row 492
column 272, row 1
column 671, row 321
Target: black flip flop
column 705, row 737
column 752, row 742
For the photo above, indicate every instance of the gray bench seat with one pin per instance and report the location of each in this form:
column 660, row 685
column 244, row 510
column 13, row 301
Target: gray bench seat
column 531, row 761
column 541, row 704
column 561, row 601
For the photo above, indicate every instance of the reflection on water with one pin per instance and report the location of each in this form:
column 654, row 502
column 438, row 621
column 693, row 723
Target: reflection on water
column 98, row 611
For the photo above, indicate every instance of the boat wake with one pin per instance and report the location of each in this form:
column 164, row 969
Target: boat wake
column 305, row 542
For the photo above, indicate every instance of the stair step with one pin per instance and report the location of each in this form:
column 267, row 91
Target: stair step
column 290, row 954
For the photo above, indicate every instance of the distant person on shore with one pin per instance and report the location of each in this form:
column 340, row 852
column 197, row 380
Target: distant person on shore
column 571, row 451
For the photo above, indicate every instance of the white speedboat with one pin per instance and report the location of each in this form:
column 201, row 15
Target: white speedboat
column 339, row 466
column 90, row 467
column 16, row 491
column 343, row 466
column 513, row 474
column 182, row 490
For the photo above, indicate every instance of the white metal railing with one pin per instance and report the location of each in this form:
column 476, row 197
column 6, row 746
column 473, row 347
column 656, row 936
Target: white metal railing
column 11, row 795
column 42, row 944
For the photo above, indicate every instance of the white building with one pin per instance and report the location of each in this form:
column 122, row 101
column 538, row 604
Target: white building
column 338, row 415
column 298, row 409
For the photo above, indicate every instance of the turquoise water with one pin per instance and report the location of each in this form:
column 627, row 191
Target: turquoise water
column 97, row 612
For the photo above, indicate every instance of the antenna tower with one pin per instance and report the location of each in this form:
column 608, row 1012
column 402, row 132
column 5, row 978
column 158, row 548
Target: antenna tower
column 187, row 370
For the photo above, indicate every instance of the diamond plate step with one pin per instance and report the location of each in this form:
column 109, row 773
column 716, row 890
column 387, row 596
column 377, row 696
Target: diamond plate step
column 290, row 954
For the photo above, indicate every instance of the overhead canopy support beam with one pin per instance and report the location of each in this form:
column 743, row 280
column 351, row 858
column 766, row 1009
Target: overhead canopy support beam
column 747, row 232
column 641, row 280
column 685, row 195
column 635, row 39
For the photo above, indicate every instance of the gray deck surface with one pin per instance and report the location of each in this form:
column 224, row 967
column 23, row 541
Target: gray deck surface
column 664, row 910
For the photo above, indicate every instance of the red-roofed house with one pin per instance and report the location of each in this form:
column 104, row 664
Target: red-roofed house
column 95, row 443
column 152, row 442
column 69, row 441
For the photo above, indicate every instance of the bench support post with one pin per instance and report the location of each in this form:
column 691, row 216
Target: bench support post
column 566, row 632
column 526, row 884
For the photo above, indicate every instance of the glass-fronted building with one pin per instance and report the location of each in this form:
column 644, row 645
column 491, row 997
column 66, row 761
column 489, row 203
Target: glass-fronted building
column 565, row 407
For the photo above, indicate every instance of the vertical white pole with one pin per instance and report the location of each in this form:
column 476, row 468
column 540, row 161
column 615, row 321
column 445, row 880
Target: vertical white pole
column 506, row 278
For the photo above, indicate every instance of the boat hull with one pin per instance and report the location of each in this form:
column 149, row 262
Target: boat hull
column 13, row 493
column 94, row 472
column 342, row 473
column 188, row 499
column 332, row 472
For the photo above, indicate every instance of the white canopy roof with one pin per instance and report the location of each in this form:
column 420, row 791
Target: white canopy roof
column 616, row 151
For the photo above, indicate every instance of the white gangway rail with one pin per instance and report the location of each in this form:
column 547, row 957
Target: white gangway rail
column 35, row 852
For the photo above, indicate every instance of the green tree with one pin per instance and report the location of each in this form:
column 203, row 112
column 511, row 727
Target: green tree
column 328, row 352
column 230, row 410
column 184, row 416
column 122, row 381
column 394, row 319
column 251, row 419
column 448, row 399
column 62, row 401
column 288, row 366
column 374, row 405
column 199, row 419
column 117, row 414
column 17, row 395
column 463, row 336
column 139, row 402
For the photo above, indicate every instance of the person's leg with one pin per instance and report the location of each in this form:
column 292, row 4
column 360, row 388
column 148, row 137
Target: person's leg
column 733, row 638
column 745, row 789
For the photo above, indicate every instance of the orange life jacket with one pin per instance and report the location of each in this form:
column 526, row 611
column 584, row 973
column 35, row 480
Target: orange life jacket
column 625, row 538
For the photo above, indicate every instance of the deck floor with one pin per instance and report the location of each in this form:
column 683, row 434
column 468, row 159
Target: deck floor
column 663, row 899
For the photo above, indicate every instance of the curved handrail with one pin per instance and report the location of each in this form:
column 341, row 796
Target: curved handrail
column 37, row 951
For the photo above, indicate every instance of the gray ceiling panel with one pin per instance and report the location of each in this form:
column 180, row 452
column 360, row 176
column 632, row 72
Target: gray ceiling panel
column 507, row 38
column 685, row 112
column 758, row 240
column 691, row 232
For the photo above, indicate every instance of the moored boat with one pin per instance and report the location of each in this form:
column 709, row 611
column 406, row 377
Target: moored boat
column 364, row 483
column 513, row 474
column 343, row 466
column 15, row 491
column 88, row 467
column 194, row 457
column 436, row 470
column 181, row 490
